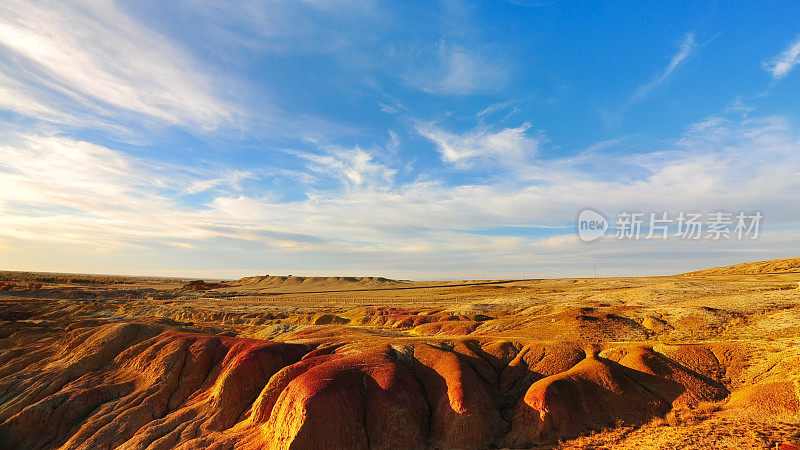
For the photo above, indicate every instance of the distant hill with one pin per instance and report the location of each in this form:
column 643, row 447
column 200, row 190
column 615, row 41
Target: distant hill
column 783, row 265
column 292, row 284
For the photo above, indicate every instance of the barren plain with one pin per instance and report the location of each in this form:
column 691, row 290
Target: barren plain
column 709, row 359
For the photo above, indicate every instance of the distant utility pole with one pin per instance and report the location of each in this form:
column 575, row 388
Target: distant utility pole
column 595, row 270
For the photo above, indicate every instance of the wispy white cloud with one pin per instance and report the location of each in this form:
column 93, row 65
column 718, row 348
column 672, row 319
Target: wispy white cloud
column 687, row 48
column 231, row 179
column 64, row 192
column 356, row 37
column 25, row 100
column 388, row 109
column 450, row 69
column 355, row 167
column 464, row 72
column 347, row 208
column 280, row 26
column 785, row 62
column 58, row 57
column 509, row 146
column 739, row 106
column 495, row 107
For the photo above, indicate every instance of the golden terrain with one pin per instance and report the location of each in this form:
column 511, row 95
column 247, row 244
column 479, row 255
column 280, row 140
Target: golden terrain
column 709, row 359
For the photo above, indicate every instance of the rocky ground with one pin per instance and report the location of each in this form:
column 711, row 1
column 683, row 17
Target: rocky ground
column 702, row 360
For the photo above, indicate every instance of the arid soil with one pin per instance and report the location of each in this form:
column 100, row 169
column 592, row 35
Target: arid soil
column 709, row 359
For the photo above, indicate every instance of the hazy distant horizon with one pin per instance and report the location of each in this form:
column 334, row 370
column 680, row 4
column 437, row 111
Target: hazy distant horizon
column 234, row 275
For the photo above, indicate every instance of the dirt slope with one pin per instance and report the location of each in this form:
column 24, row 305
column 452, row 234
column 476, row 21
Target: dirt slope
column 785, row 265
column 296, row 284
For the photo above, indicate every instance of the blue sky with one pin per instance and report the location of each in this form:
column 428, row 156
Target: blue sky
column 404, row 139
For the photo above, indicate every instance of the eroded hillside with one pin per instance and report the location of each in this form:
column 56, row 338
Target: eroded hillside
column 276, row 362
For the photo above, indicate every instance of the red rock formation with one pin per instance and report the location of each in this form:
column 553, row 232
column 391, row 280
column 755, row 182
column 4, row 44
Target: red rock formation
column 146, row 386
column 464, row 408
column 367, row 400
column 117, row 385
column 598, row 393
